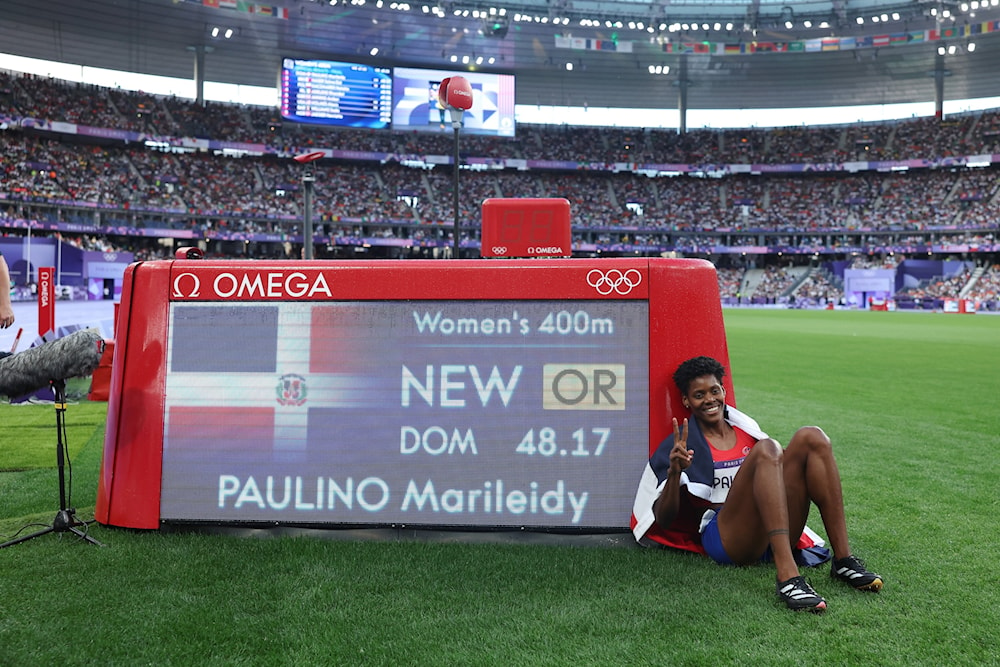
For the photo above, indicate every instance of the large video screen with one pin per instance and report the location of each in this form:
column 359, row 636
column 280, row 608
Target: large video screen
column 415, row 106
column 328, row 92
column 458, row 413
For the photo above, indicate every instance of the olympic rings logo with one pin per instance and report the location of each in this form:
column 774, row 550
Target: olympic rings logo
column 499, row 250
column 614, row 280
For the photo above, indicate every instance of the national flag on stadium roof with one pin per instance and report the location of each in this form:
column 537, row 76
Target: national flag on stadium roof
column 269, row 10
column 847, row 43
column 732, row 48
column 880, row 40
column 689, row 47
column 916, row 36
column 797, row 47
column 831, row 44
column 813, row 45
column 898, row 38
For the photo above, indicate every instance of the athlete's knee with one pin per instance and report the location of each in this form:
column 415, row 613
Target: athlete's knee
column 768, row 449
column 813, row 436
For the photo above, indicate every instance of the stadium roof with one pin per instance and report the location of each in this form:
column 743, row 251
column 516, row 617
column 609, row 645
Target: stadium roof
column 755, row 54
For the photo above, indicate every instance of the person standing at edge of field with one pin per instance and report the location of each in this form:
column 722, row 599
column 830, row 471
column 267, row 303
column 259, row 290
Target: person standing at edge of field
column 721, row 486
column 6, row 310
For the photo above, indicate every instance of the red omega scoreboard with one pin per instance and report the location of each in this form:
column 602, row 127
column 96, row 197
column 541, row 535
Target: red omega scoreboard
column 448, row 394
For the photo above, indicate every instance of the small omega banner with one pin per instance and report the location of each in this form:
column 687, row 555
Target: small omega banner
column 46, row 301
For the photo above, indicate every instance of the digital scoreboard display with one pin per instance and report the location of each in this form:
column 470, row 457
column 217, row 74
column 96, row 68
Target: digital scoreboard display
column 526, row 227
column 447, row 394
column 335, row 93
column 415, row 102
column 451, row 413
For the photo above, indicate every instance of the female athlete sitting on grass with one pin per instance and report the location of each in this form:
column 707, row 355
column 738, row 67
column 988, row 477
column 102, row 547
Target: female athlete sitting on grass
column 720, row 485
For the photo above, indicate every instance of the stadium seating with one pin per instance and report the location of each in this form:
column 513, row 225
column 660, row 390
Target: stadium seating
column 386, row 194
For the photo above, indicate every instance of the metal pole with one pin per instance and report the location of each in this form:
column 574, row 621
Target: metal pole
column 308, row 178
column 939, row 74
column 27, row 258
column 455, row 193
column 682, row 96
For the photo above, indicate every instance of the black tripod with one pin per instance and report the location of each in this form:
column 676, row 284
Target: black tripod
column 65, row 521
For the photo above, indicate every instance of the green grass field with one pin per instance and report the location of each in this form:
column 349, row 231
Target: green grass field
column 909, row 400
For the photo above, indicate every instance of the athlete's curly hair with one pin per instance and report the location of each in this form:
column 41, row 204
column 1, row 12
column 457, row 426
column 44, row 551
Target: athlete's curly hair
column 695, row 368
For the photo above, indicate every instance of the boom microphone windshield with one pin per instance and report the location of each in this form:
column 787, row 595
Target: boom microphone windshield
column 455, row 95
column 75, row 355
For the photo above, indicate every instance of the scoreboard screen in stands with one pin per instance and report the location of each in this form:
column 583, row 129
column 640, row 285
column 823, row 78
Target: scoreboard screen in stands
column 329, row 92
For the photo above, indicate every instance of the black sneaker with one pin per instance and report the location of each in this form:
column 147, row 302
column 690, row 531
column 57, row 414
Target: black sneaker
column 800, row 596
column 852, row 572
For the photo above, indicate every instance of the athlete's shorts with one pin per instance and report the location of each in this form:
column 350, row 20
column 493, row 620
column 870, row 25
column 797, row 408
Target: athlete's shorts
column 712, row 541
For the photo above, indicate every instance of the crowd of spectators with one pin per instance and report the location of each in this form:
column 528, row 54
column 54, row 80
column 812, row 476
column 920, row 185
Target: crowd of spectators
column 39, row 169
column 47, row 99
column 819, row 288
column 987, row 287
column 775, row 281
column 392, row 190
column 938, row 288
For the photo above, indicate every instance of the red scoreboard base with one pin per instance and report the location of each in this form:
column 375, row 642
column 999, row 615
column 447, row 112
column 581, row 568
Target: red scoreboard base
column 442, row 394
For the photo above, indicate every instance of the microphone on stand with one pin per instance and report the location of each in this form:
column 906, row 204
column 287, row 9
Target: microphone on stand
column 75, row 355
column 50, row 364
